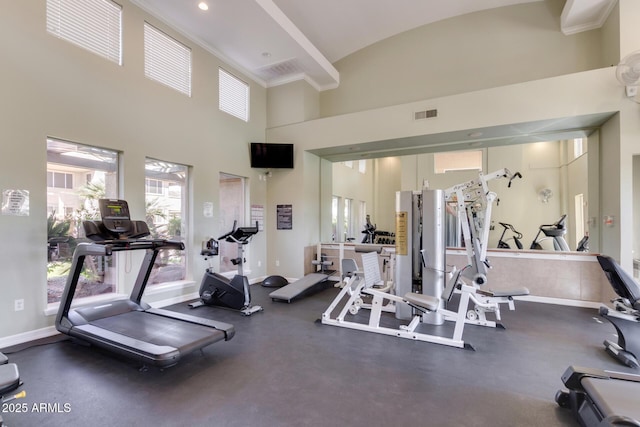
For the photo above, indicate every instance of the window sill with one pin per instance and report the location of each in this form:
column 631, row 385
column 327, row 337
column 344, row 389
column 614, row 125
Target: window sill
column 52, row 309
column 168, row 286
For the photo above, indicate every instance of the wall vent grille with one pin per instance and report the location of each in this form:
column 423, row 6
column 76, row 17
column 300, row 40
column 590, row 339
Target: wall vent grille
column 426, row 114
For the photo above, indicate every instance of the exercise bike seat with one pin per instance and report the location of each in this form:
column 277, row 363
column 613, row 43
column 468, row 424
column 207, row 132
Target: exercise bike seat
column 424, row 301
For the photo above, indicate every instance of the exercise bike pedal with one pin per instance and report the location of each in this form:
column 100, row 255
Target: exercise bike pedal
column 248, row 311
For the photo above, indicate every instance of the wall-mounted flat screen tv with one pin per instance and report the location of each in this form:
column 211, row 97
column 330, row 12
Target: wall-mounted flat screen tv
column 271, row 155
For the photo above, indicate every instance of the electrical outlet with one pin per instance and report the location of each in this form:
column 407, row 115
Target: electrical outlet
column 277, row 263
column 259, row 263
column 18, row 305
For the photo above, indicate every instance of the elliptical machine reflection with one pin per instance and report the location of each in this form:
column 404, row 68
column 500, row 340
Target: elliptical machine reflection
column 556, row 231
column 219, row 290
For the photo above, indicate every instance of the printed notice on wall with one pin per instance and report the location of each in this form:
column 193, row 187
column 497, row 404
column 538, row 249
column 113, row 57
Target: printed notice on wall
column 207, row 209
column 285, row 217
column 402, row 243
column 15, row 202
column 257, row 215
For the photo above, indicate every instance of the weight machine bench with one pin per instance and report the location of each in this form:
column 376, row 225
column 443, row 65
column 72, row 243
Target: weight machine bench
column 306, row 284
column 363, row 284
column 626, row 314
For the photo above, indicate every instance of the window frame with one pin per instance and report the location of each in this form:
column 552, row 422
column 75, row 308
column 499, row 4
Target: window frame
column 74, row 205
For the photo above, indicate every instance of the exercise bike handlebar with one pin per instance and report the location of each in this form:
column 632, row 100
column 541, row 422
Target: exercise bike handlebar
column 510, row 227
column 240, row 235
column 558, row 224
column 514, row 176
column 225, row 235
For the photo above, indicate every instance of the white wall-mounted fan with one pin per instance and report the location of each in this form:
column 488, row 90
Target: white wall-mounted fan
column 628, row 73
column 545, row 194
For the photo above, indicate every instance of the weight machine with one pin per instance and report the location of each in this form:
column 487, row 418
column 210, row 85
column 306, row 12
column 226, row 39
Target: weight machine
column 419, row 293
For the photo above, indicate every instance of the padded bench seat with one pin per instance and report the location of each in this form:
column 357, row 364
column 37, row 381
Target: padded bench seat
column 426, row 301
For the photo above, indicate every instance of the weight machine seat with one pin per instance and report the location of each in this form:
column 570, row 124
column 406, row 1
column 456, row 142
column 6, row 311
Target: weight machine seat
column 425, row 301
column 623, row 284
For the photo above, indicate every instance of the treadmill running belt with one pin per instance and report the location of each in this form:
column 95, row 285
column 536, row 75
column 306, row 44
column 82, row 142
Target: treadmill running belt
column 161, row 331
column 613, row 397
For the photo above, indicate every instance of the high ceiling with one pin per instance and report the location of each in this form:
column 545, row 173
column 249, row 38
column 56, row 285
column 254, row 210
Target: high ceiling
column 279, row 41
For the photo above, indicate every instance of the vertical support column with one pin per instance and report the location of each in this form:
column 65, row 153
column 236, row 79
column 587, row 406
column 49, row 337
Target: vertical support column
column 404, row 250
column 433, row 249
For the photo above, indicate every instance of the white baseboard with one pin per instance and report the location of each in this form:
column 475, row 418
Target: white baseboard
column 559, row 301
column 51, row 330
column 175, row 300
column 24, row 337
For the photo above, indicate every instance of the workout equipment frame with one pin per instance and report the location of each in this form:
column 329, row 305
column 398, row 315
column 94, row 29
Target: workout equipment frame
column 131, row 327
column 625, row 316
column 600, row 398
column 474, row 207
column 219, row 290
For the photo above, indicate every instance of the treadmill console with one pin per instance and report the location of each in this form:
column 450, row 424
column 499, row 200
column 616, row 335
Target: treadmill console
column 116, row 223
column 115, row 215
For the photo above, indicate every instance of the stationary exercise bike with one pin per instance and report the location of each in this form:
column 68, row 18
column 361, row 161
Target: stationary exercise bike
column 218, row 290
column 517, row 237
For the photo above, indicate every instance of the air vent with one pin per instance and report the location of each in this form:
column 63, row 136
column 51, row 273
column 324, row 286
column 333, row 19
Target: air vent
column 426, row 114
column 281, row 69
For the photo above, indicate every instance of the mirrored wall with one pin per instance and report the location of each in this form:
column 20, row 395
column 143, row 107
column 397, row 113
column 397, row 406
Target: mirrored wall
column 559, row 180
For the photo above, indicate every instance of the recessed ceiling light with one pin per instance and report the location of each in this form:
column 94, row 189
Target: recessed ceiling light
column 203, row 6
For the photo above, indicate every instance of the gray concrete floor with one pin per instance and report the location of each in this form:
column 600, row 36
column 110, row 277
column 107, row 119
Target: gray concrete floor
column 283, row 369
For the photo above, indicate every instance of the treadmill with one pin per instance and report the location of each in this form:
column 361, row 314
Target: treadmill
column 131, row 327
column 600, row 398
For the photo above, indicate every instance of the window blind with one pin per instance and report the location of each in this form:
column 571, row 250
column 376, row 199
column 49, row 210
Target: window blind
column 95, row 25
column 166, row 60
column 234, row 95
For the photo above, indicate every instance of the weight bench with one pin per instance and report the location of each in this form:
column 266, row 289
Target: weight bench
column 626, row 314
column 369, row 284
column 490, row 301
column 299, row 287
column 601, row 398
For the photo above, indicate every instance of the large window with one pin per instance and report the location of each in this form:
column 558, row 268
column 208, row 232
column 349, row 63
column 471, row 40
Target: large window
column 232, row 209
column 166, row 215
column 457, row 161
column 234, row 95
column 335, row 202
column 166, row 60
column 348, row 220
column 95, row 25
column 77, row 176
